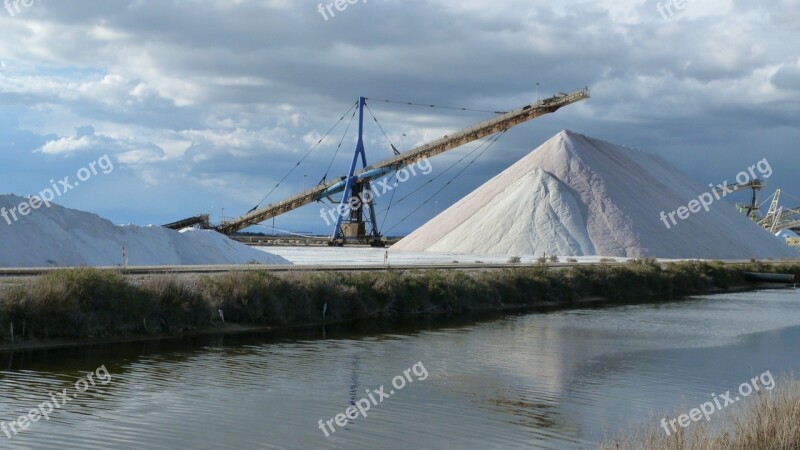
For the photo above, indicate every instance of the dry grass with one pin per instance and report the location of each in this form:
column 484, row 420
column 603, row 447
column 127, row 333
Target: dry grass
column 76, row 303
column 769, row 422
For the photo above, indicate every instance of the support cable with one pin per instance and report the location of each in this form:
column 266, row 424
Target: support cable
column 325, row 177
column 388, row 208
column 491, row 143
column 790, row 195
column 394, row 149
column 436, row 106
column 467, row 155
column 314, row 147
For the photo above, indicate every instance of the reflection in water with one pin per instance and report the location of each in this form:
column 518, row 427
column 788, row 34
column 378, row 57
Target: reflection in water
column 545, row 380
column 353, row 384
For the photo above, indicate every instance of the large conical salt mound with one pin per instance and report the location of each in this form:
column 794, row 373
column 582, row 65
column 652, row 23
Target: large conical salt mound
column 578, row 196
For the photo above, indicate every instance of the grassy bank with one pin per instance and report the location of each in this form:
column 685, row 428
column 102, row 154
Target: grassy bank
column 771, row 421
column 87, row 303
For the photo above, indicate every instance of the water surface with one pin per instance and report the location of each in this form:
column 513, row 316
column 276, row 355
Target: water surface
column 543, row 380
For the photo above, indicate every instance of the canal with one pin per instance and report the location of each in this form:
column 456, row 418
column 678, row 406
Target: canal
column 563, row 379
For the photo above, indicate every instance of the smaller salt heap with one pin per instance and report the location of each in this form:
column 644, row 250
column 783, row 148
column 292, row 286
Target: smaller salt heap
column 62, row 237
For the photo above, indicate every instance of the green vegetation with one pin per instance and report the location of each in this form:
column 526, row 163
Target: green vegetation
column 770, row 421
column 78, row 303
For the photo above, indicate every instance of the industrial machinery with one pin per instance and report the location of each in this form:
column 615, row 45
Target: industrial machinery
column 748, row 209
column 777, row 217
column 769, row 221
column 780, row 218
column 200, row 221
column 358, row 222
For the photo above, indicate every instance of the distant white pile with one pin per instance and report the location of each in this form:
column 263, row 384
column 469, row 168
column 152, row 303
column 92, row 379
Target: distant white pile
column 61, row 237
column 578, row 196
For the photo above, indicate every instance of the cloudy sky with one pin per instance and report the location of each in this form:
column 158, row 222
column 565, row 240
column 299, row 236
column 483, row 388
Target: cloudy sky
column 204, row 105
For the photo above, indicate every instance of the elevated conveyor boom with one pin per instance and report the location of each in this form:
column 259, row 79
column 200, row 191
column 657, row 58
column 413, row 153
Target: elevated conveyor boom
column 201, row 220
column 486, row 128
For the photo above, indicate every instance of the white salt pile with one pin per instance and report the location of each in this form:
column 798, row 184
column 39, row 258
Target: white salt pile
column 61, row 237
column 578, row 196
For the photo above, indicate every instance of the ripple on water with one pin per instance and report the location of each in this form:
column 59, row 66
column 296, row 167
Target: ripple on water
column 555, row 380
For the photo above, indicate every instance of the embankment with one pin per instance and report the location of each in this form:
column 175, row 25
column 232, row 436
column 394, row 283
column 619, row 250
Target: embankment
column 88, row 305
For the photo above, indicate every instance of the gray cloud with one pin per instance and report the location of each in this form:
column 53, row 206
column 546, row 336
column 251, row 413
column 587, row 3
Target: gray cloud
column 219, row 99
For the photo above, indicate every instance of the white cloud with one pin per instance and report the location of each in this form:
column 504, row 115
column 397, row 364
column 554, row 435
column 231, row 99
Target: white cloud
column 67, row 145
column 139, row 157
